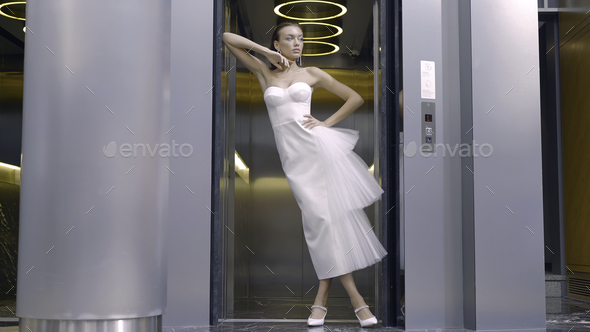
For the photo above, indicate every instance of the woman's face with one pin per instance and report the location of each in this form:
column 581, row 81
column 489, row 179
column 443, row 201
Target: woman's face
column 290, row 42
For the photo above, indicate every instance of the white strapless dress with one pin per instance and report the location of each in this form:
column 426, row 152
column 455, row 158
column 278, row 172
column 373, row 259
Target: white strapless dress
column 330, row 182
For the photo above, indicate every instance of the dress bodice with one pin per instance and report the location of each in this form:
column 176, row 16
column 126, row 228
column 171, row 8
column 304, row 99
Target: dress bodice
column 288, row 104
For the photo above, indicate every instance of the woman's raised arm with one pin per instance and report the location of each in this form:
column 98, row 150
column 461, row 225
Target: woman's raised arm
column 240, row 46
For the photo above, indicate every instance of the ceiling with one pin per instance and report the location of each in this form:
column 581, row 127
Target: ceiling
column 260, row 18
column 12, row 36
column 356, row 23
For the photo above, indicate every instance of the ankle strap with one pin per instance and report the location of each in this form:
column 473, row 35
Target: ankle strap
column 360, row 308
column 320, row 307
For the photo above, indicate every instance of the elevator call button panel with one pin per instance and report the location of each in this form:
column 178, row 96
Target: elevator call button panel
column 428, row 125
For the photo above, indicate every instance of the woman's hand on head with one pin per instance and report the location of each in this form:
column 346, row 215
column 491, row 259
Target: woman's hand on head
column 277, row 59
column 312, row 122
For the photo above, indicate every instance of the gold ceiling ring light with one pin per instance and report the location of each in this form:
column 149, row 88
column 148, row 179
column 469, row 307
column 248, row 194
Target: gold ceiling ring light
column 327, row 25
column 342, row 8
column 331, row 14
column 8, row 4
column 336, row 48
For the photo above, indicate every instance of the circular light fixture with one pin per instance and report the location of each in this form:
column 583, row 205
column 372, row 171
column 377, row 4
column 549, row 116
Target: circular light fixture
column 12, row 3
column 334, row 34
column 277, row 10
column 336, row 48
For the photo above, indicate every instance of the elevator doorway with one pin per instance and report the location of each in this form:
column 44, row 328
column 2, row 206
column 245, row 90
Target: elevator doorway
column 266, row 271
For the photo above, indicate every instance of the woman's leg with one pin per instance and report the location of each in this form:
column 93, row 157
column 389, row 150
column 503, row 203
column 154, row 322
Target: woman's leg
column 321, row 298
column 355, row 298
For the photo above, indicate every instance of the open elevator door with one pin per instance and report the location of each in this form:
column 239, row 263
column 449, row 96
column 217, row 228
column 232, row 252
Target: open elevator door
column 391, row 158
column 387, row 127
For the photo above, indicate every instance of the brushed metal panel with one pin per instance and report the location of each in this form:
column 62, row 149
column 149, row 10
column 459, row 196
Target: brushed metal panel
column 432, row 184
column 190, row 233
column 508, row 198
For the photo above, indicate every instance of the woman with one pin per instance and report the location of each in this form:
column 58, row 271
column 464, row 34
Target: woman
column 330, row 182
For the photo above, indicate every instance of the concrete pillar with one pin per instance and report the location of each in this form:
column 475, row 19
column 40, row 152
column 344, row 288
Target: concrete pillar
column 93, row 197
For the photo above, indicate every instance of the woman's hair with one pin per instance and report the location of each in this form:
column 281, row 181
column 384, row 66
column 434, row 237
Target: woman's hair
column 275, row 36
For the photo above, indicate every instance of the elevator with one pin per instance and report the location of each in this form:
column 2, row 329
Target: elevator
column 440, row 219
column 266, row 270
column 467, row 232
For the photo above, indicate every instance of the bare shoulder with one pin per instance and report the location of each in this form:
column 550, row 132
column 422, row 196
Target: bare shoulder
column 314, row 72
column 321, row 77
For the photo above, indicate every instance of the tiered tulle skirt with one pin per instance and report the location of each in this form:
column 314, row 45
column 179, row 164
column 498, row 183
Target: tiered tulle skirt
column 350, row 187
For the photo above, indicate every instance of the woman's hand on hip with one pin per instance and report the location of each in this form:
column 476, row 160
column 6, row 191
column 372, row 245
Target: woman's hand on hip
column 312, row 122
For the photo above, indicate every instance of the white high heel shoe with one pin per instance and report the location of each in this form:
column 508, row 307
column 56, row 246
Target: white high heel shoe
column 316, row 321
column 367, row 322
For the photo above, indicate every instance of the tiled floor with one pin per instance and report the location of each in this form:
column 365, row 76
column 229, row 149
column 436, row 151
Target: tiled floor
column 563, row 315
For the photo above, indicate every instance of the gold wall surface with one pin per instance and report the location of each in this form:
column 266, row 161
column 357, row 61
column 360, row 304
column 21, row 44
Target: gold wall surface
column 575, row 105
